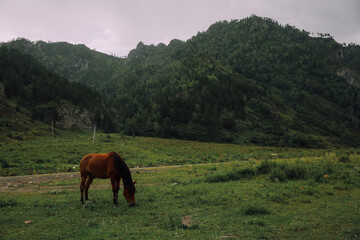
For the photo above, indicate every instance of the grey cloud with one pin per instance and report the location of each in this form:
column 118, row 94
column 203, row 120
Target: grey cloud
column 116, row 26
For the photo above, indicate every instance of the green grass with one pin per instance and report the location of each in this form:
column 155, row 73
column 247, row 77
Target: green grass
column 242, row 192
column 47, row 155
column 248, row 208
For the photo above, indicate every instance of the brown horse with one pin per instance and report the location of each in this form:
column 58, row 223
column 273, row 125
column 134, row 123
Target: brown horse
column 107, row 165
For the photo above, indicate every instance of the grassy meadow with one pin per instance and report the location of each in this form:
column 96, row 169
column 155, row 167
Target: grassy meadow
column 37, row 155
column 243, row 192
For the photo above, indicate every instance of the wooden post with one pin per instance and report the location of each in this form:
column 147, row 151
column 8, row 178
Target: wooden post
column 52, row 129
column 94, row 135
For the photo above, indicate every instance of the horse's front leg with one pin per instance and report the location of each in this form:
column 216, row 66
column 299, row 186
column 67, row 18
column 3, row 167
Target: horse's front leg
column 115, row 183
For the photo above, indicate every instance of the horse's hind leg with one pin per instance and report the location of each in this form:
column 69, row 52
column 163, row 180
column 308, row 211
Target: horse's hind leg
column 82, row 187
column 87, row 185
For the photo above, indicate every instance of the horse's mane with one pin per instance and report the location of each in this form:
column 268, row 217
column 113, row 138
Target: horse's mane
column 124, row 171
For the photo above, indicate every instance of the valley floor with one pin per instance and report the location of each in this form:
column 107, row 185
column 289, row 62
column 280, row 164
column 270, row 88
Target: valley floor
column 183, row 202
column 185, row 190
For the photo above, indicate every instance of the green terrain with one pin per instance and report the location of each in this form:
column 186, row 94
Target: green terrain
column 245, row 81
column 248, row 130
column 241, row 192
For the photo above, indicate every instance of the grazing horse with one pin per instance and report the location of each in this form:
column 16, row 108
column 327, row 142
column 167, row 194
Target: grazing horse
column 107, row 165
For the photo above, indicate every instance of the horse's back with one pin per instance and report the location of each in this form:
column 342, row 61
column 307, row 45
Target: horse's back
column 95, row 164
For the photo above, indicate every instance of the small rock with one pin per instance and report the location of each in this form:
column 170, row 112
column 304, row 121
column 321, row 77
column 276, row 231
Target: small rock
column 187, row 221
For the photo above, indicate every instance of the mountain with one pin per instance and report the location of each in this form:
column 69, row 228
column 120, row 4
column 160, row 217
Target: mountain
column 244, row 81
column 247, row 81
column 40, row 94
column 77, row 63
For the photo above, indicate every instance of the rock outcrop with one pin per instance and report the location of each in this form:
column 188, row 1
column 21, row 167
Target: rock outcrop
column 350, row 76
column 73, row 117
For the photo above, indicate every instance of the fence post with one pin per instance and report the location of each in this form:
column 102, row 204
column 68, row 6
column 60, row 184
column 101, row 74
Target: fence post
column 94, row 135
column 52, row 130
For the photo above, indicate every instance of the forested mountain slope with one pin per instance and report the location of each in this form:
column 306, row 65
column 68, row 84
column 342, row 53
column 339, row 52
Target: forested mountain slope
column 244, row 81
column 44, row 95
column 77, row 63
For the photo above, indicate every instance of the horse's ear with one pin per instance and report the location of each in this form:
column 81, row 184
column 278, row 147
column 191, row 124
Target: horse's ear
column 134, row 182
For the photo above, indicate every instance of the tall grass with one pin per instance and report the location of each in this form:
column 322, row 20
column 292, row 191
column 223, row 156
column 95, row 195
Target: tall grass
column 323, row 170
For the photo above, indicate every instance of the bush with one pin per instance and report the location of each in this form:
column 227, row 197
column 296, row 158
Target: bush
column 285, row 171
column 4, row 163
column 277, row 174
column 281, row 172
column 265, row 167
column 256, row 209
column 278, row 198
column 244, row 173
column 7, row 202
column 231, row 176
column 324, row 168
column 295, row 172
column 344, row 159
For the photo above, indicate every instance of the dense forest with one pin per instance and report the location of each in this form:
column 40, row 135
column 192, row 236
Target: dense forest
column 244, row 81
column 30, row 85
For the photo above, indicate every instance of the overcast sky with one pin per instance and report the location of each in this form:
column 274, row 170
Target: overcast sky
column 116, row 26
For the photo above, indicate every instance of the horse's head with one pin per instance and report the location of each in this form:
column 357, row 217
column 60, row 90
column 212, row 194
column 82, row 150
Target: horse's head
column 129, row 193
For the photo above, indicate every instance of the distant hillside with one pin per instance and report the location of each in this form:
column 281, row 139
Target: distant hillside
column 244, row 81
column 77, row 63
column 43, row 95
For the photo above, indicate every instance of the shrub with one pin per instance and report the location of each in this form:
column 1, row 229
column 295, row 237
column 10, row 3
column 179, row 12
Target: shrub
column 231, row 176
column 324, row 168
column 281, row 172
column 244, row 173
column 256, row 209
column 265, row 167
column 260, row 223
column 278, row 198
column 285, row 171
column 4, row 163
column 295, row 172
column 318, row 177
column 344, row 159
column 7, row 202
column 277, row 174
column 216, row 178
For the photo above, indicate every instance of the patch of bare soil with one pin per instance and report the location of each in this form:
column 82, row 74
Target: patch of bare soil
column 35, row 182
column 44, row 182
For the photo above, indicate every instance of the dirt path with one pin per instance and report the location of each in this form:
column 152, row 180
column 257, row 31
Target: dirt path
column 30, row 183
column 44, row 182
